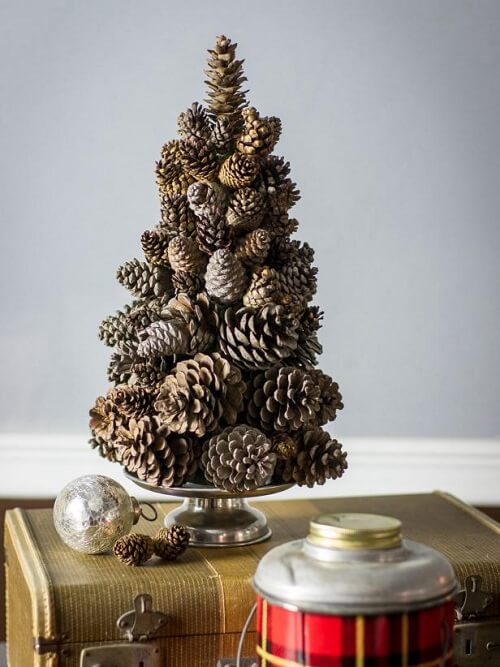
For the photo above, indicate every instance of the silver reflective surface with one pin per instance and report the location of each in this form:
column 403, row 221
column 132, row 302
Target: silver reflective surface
column 92, row 512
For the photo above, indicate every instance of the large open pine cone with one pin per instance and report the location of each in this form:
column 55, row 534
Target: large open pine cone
column 105, row 419
column 258, row 339
column 239, row 459
column 320, row 458
column 131, row 401
column 225, row 279
column 187, row 326
column 199, row 393
column 283, row 398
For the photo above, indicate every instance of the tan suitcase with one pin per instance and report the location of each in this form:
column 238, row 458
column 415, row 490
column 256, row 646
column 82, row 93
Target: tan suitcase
column 63, row 607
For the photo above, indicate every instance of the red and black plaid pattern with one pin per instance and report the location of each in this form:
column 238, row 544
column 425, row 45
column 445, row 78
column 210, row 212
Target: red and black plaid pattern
column 299, row 639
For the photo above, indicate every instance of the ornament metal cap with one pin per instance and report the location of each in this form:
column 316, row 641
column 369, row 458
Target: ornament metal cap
column 355, row 531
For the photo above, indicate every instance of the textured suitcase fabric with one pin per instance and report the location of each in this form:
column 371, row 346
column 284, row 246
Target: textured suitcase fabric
column 54, row 593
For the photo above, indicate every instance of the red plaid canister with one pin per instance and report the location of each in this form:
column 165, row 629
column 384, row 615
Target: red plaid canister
column 354, row 594
column 297, row 639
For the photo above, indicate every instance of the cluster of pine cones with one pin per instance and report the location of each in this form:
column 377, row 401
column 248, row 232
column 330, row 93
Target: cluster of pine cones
column 136, row 549
column 213, row 373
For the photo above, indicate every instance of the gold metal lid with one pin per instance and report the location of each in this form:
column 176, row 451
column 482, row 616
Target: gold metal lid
column 355, row 531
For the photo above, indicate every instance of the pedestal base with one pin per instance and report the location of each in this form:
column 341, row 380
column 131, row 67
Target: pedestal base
column 220, row 522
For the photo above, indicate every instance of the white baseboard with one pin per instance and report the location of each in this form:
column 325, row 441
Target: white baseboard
column 38, row 466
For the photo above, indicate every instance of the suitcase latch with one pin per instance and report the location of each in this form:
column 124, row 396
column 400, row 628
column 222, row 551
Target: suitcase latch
column 138, row 627
column 477, row 644
column 471, row 600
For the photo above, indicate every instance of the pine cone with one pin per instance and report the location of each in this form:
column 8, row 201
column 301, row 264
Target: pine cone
column 194, row 123
column 308, row 345
column 280, row 226
column 298, row 276
column 120, row 368
column 264, row 289
column 222, row 134
column 258, row 339
column 225, row 278
column 187, row 283
column 274, row 182
column 176, row 216
column 246, row 209
column 238, row 170
column 253, row 247
column 320, row 458
column 330, row 397
column 276, row 128
column 133, row 549
column 150, row 373
column 104, row 418
column 154, row 245
column 105, row 448
column 184, row 255
column 146, row 312
column 224, row 78
column 114, row 329
column 143, row 280
column 284, row 446
column 257, row 137
column 199, row 159
column 147, row 450
column 239, row 459
column 213, row 234
column 207, row 200
column 131, row 401
column 187, row 326
column 170, row 543
column 171, row 178
column 199, row 393
column 283, row 398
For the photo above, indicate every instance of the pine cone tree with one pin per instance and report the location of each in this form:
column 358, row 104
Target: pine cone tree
column 257, row 137
column 283, row 398
column 207, row 200
column 257, row 339
column 199, row 394
column 213, row 234
column 104, row 418
column 131, row 401
column 154, row 245
column 170, row 543
column 225, row 278
column 143, row 280
column 184, row 255
column 114, row 328
column 176, row 216
column 238, row 170
column 224, row 78
column 194, row 123
column 222, row 134
column 105, row 448
column 246, row 209
column 264, row 289
column 308, row 345
column 147, row 450
column 320, row 458
column 239, row 459
column 284, row 446
column 199, row 159
column 187, row 326
column 171, row 178
column 133, row 549
column 330, row 397
column 187, row 283
column 253, row 247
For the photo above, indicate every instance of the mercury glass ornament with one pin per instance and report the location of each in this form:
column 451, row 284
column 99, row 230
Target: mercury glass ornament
column 92, row 512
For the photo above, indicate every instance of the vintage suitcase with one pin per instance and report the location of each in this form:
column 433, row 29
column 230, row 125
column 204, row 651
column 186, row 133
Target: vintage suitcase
column 63, row 607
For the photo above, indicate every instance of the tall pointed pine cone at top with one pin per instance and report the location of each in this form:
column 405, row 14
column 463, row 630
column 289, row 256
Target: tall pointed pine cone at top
column 225, row 96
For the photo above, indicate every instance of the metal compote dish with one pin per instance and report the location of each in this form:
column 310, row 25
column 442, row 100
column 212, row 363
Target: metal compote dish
column 216, row 517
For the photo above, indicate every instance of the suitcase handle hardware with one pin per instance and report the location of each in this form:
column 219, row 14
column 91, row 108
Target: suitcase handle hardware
column 142, row 622
column 471, row 600
column 477, row 643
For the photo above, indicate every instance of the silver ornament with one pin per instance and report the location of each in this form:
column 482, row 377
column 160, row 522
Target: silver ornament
column 92, row 512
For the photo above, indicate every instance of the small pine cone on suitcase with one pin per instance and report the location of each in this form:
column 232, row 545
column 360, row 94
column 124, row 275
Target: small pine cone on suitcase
column 133, row 549
column 170, row 543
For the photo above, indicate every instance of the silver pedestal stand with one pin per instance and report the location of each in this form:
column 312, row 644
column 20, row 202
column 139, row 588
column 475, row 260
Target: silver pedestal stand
column 217, row 518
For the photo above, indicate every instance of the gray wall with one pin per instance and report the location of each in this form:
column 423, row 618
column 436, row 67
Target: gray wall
column 390, row 112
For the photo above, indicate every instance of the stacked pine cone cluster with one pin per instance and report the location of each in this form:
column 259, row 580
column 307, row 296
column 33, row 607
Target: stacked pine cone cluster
column 214, row 371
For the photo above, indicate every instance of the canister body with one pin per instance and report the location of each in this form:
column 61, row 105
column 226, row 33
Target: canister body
column 293, row 638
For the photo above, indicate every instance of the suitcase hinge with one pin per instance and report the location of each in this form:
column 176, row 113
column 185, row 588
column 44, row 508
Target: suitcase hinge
column 142, row 622
column 471, row 600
